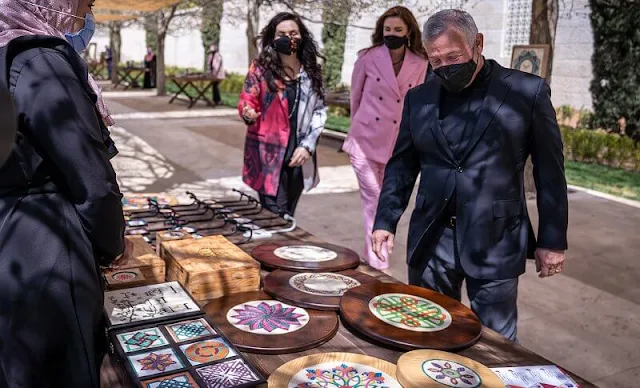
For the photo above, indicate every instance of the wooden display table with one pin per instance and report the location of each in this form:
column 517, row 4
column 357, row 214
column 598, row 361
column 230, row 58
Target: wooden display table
column 130, row 77
column 194, row 87
column 491, row 350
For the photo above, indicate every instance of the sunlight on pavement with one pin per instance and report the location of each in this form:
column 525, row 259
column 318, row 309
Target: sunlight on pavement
column 176, row 114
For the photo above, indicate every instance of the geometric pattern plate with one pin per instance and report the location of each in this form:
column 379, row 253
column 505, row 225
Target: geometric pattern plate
column 267, row 317
column 227, row 374
column 323, row 284
column 206, row 351
column 329, row 370
column 304, row 257
column 409, row 317
column 188, row 330
column 155, row 362
column 141, row 339
column 410, row 312
column 433, row 368
column 180, row 380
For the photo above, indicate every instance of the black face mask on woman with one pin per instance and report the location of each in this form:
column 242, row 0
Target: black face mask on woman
column 395, row 42
column 455, row 77
column 286, row 45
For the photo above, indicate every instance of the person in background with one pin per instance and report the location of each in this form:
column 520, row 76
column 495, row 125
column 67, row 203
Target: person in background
column 216, row 69
column 109, row 59
column 383, row 74
column 60, row 204
column 283, row 104
column 468, row 132
column 150, row 69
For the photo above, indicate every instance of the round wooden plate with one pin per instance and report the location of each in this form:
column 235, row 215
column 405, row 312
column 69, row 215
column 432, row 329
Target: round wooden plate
column 436, row 369
column 314, row 290
column 300, row 256
column 335, row 370
column 255, row 323
column 409, row 317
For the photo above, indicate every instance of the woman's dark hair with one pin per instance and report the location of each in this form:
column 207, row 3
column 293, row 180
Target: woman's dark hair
column 307, row 53
column 415, row 38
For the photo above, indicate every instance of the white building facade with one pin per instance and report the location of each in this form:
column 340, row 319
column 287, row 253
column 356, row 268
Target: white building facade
column 504, row 23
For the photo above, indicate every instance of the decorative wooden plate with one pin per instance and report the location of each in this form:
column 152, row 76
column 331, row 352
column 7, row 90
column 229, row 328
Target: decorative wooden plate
column 314, row 290
column 300, row 256
column 335, row 370
column 435, row 369
column 409, row 317
column 255, row 323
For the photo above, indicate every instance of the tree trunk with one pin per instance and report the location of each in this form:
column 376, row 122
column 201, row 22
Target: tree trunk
column 253, row 23
column 151, row 31
column 210, row 26
column 544, row 21
column 334, row 36
column 160, row 79
column 115, row 42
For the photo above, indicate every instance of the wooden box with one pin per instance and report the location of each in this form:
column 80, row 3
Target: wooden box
column 211, row 267
column 170, row 235
column 144, row 262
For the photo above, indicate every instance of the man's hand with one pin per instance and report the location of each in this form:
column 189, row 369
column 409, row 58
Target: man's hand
column 549, row 262
column 124, row 258
column 380, row 237
column 300, row 157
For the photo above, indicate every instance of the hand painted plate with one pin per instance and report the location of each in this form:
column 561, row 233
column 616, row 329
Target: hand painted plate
column 299, row 256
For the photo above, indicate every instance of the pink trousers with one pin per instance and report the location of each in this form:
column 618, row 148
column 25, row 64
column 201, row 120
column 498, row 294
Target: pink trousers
column 370, row 175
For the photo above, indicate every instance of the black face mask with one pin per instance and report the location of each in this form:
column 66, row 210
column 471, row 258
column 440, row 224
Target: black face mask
column 395, row 42
column 285, row 45
column 455, row 77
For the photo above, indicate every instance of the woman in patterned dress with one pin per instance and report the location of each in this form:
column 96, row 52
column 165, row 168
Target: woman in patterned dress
column 283, row 105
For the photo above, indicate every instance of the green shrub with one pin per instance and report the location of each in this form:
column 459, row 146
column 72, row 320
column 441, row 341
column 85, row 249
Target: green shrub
column 608, row 149
column 233, row 83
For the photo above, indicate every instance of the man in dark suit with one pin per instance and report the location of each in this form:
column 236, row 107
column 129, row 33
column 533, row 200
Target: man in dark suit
column 468, row 131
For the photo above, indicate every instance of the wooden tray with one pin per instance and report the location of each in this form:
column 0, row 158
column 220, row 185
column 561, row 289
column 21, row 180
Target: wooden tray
column 436, row 369
column 378, row 310
column 241, row 317
column 300, row 256
column 314, row 290
column 328, row 370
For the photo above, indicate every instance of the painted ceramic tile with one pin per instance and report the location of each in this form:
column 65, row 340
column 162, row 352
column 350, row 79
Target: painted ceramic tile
column 141, row 339
column 188, row 330
column 180, row 380
column 451, row 374
column 227, row 374
column 267, row 317
column 139, row 304
column 206, row 351
column 332, row 374
column 308, row 253
column 410, row 312
column 323, row 284
column 155, row 362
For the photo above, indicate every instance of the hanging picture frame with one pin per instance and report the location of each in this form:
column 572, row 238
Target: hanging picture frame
column 531, row 58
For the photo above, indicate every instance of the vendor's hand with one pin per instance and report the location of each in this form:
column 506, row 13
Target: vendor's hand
column 249, row 113
column 300, row 157
column 549, row 262
column 124, row 258
column 380, row 238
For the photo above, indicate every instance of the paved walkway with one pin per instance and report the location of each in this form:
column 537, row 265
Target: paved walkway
column 586, row 319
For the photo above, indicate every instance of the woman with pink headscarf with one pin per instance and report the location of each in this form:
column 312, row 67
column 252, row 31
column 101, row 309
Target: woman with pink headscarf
column 60, row 204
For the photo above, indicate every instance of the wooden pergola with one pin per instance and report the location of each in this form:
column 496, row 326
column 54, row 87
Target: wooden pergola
column 132, row 5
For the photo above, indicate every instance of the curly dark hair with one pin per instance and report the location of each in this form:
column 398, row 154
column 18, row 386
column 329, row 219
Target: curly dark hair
column 415, row 38
column 307, row 53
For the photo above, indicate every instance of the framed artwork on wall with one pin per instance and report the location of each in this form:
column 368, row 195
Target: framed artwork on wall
column 531, row 58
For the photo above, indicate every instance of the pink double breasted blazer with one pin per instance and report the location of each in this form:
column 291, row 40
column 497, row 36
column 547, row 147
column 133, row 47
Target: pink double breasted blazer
column 377, row 99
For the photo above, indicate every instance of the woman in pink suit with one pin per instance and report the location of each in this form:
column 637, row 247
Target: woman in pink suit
column 383, row 74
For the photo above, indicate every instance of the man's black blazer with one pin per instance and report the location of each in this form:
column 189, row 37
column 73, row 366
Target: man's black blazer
column 493, row 232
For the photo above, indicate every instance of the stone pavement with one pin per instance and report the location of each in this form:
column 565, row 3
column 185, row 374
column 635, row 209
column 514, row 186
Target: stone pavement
column 586, row 319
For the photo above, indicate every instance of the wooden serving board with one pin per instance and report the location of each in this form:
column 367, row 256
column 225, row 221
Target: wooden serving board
column 300, row 256
column 409, row 317
column 255, row 323
column 335, row 370
column 436, row 369
column 314, row 290
column 144, row 259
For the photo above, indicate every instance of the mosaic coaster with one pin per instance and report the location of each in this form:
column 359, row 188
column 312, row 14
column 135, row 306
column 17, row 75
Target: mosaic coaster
column 267, row 317
column 227, row 374
column 155, row 362
column 322, row 284
column 307, row 253
column 206, row 351
column 180, row 380
column 142, row 339
column 410, row 312
column 342, row 374
column 189, row 330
